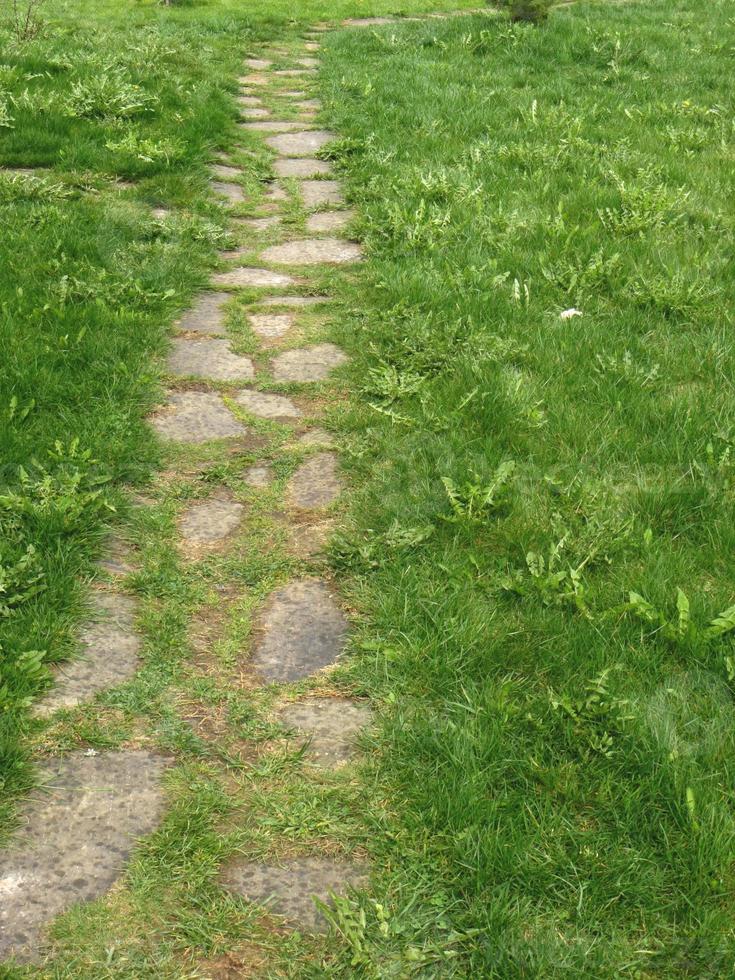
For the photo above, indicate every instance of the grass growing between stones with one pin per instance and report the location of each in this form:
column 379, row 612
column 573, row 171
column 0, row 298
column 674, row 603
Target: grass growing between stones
column 543, row 545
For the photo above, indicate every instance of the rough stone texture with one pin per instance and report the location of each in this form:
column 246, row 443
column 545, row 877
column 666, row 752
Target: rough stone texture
column 210, row 521
column 253, row 80
column 249, row 101
column 267, row 405
column 301, row 144
column 288, row 888
column 262, row 224
column 258, row 476
column 304, row 630
column 368, row 21
column 75, row 837
column 313, row 251
column 316, row 437
column 234, row 253
column 206, row 316
column 233, row 192
column 274, row 193
column 117, row 558
column 257, row 113
column 271, row 324
column 331, row 724
column 225, row 172
column 312, row 46
column 196, row 416
column 329, row 221
column 160, row 214
column 292, row 72
column 109, row 655
column 318, row 193
column 308, row 363
column 246, row 276
column 257, row 64
column 309, row 105
column 208, row 359
column 272, row 126
column 315, row 483
column 307, row 62
column 294, row 301
column 301, row 167
column 310, row 539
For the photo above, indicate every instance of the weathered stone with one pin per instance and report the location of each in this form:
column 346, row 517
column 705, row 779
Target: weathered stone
column 249, row 101
column 303, row 631
column 196, row 416
column 309, row 539
column 267, row 405
column 293, row 94
column 307, row 62
column 309, row 105
column 312, row 46
column 116, row 559
column 225, row 172
column 109, row 656
column 315, row 483
column 235, row 253
column 253, row 79
column 257, row 64
column 258, row 476
column 210, row 521
column 301, row 144
column 271, row 324
column 76, row 835
column 233, row 192
column 301, row 167
column 329, row 221
column 368, row 21
column 292, row 72
column 263, row 224
column 272, row 126
column 331, row 724
column 206, row 316
column 208, row 359
column 320, row 193
column 274, row 193
column 258, row 113
column 294, row 301
column 313, row 251
column 307, row 364
column 246, row 276
column 316, row 437
column 160, row 214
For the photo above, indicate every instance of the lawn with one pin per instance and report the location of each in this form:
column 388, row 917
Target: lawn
column 541, row 437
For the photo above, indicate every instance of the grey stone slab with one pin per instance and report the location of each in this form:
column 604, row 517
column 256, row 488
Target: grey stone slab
column 117, row 558
column 160, row 214
column 307, row 62
column 326, row 221
column 271, row 324
column 294, row 301
column 301, row 167
column 207, row 314
column 77, row 833
column 196, row 416
column 247, row 276
column 274, row 193
column 289, row 888
column 301, row 144
column 307, row 363
column 292, row 72
column 263, row 224
column 320, row 193
column 256, row 113
column 293, row 94
column 313, row 251
column 208, row 359
column 109, row 655
column 308, row 540
column 257, row 64
column 258, row 476
column 331, row 725
column 249, row 101
column 267, row 405
column 309, row 105
column 312, row 46
column 315, row 483
column 225, row 172
column 210, row 521
column 368, row 21
column 272, row 126
column 233, row 192
column 316, row 437
column 303, row 630
column 253, row 79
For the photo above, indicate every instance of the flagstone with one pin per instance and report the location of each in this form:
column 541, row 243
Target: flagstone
column 300, row 144
column 226, row 171
column 317, row 193
column 233, row 192
column 208, row 359
column 272, row 126
column 315, row 484
column 262, row 224
column 267, row 405
column 271, row 324
column 257, row 113
column 329, row 221
column 301, row 167
column 294, row 301
column 257, row 64
column 247, row 276
column 313, row 251
column 207, row 315
column 196, row 416
column 308, row 363
column 258, row 476
column 210, row 521
column 331, row 725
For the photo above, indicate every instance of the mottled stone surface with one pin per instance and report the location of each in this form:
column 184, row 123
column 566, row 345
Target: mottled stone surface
column 267, row 405
column 160, row 214
column 272, row 126
column 329, row 221
column 233, row 192
column 253, row 79
column 271, row 324
column 307, row 62
column 315, row 483
column 318, row 193
column 210, row 521
column 249, row 101
column 292, row 72
column 289, row 888
column 257, row 64
column 307, row 363
column 301, row 144
column 207, row 315
column 368, row 21
column 225, row 172
column 309, row 105
column 316, row 437
column 308, row 540
column 263, row 224
column 117, row 557
column 76, row 835
column 208, row 359
column 247, row 276
column 196, row 416
column 294, row 301
column 258, row 476
column 303, row 631
column 301, row 167
column 109, row 655
column 257, row 113
column 331, row 724
column 313, row 251
column 274, row 193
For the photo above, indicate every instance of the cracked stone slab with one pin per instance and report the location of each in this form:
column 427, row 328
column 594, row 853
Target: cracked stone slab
column 307, row 363
column 288, row 888
column 315, row 483
column 329, row 221
column 301, row 167
column 294, row 301
column 320, row 193
column 258, row 476
column 303, row 631
column 247, row 276
column 313, row 251
column 207, row 315
column 233, row 192
column 210, row 521
column 270, row 325
column 196, row 416
column 109, row 655
column 208, row 359
column 331, row 724
column 301, row 144
column 76, row 835
column 267, row 405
